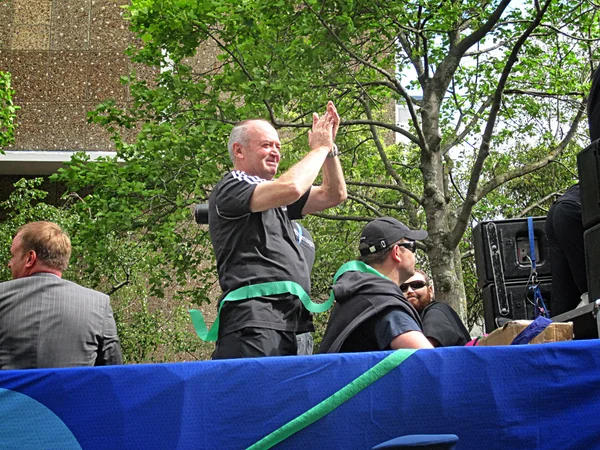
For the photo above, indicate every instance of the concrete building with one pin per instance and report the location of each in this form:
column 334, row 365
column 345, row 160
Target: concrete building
column 65, row 57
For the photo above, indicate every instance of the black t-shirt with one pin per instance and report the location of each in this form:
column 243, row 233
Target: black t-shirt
column 571, row 195
column 304, row 238
column 443, row 324
column 253, row 248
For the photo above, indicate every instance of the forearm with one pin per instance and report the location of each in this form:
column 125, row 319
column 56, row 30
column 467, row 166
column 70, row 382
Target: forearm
column 303, row 174
column 410, row 339
column 332, row 191
column 292, row 185
column 334, row 184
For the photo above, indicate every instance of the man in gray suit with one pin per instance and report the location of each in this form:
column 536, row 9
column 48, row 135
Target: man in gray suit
column 46, row 321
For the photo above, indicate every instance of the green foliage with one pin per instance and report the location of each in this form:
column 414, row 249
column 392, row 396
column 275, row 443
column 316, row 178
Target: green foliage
column 150, row 329
column 8, row 111
column 26, row 204
column 496, row 92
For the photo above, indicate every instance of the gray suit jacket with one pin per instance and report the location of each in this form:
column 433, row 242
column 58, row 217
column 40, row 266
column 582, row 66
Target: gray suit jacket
column 46, row 321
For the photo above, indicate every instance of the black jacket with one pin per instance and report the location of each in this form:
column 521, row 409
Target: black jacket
column 360, row 296
column 443, row 324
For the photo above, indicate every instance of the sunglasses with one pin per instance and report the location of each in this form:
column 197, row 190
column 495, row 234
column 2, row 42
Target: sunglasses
column 414, row 285
column 411, row 245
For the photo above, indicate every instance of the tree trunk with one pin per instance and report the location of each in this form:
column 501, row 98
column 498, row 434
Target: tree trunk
column 446, row 270
column 445, row 261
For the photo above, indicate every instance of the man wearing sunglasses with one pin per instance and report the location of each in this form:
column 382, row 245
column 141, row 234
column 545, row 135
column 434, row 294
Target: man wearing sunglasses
column 370, row 312
column 441, row 324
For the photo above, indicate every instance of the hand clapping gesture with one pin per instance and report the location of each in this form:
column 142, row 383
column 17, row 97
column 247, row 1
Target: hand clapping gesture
column 324, row 128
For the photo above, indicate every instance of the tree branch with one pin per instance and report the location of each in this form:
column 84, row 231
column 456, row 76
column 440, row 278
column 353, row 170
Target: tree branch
column 386, row 162
column 376, row 203
column 340, row 217
column 484, row 51
column 408, row 193
column 388, row 126
column 241, row 65
column 468, row 254
column 484, row 149
column 117, row 287
column 449, row 64
column 543, row 94
column 446, row 148
column 390, row 77
column 571, row 36
column 365, row 204
column 406, row 46
column 537, row 204
column 512, row 174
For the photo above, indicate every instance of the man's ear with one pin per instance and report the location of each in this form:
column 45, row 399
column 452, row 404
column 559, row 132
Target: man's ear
column 31, row 258
column 396, row 254
column 237, row 150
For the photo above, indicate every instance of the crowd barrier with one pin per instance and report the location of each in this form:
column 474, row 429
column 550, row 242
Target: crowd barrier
column 520, row 397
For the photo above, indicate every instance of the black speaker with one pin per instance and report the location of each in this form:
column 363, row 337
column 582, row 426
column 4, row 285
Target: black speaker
column 519, row 304
column 507, row 241
column 591, row 239
column 588, row 165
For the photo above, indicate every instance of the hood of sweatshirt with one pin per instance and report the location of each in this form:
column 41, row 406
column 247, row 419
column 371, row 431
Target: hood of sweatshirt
column 347, row 286
column 359, row 296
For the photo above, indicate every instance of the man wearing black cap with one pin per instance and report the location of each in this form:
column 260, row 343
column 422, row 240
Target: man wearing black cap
column 371, row 313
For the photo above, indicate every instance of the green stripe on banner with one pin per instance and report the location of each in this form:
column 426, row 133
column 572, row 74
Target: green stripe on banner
column 329, row 404
column 273, row 288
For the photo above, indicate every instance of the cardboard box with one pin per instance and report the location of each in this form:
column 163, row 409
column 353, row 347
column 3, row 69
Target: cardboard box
column 555, row 332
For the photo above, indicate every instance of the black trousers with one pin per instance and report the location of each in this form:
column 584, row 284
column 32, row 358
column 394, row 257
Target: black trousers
column 254, row 342
column 564, row 229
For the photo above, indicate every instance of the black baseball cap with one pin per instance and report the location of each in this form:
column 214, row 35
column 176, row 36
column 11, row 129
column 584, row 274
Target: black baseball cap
column 385, row 231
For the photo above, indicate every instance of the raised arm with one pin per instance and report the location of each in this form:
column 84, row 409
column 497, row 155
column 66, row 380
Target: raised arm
column 290, row 186
column 333, row 190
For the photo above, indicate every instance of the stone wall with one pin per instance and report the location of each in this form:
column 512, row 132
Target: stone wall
column 65, row 56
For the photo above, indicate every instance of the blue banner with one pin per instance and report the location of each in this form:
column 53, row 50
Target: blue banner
column 530, row 396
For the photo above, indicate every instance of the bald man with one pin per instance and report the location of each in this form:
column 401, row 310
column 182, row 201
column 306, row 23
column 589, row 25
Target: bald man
column 250, row 214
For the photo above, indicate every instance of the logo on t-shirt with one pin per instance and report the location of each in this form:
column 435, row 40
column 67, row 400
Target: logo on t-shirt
column 243, row 176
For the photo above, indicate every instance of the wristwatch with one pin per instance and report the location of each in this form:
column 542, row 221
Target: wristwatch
column 333, row 152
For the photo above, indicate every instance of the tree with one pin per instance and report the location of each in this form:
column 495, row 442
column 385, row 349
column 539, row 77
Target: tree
column 150, row 329
column 495, row 91
column 8, row 111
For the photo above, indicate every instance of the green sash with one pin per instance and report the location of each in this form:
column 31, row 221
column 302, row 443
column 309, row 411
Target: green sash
column 274, row 288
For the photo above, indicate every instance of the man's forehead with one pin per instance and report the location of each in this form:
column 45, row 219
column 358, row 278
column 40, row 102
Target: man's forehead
column 16, row 242
column 263, row 130
column 417, row 277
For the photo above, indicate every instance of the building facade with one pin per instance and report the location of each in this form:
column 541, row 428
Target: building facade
column 65, row 57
